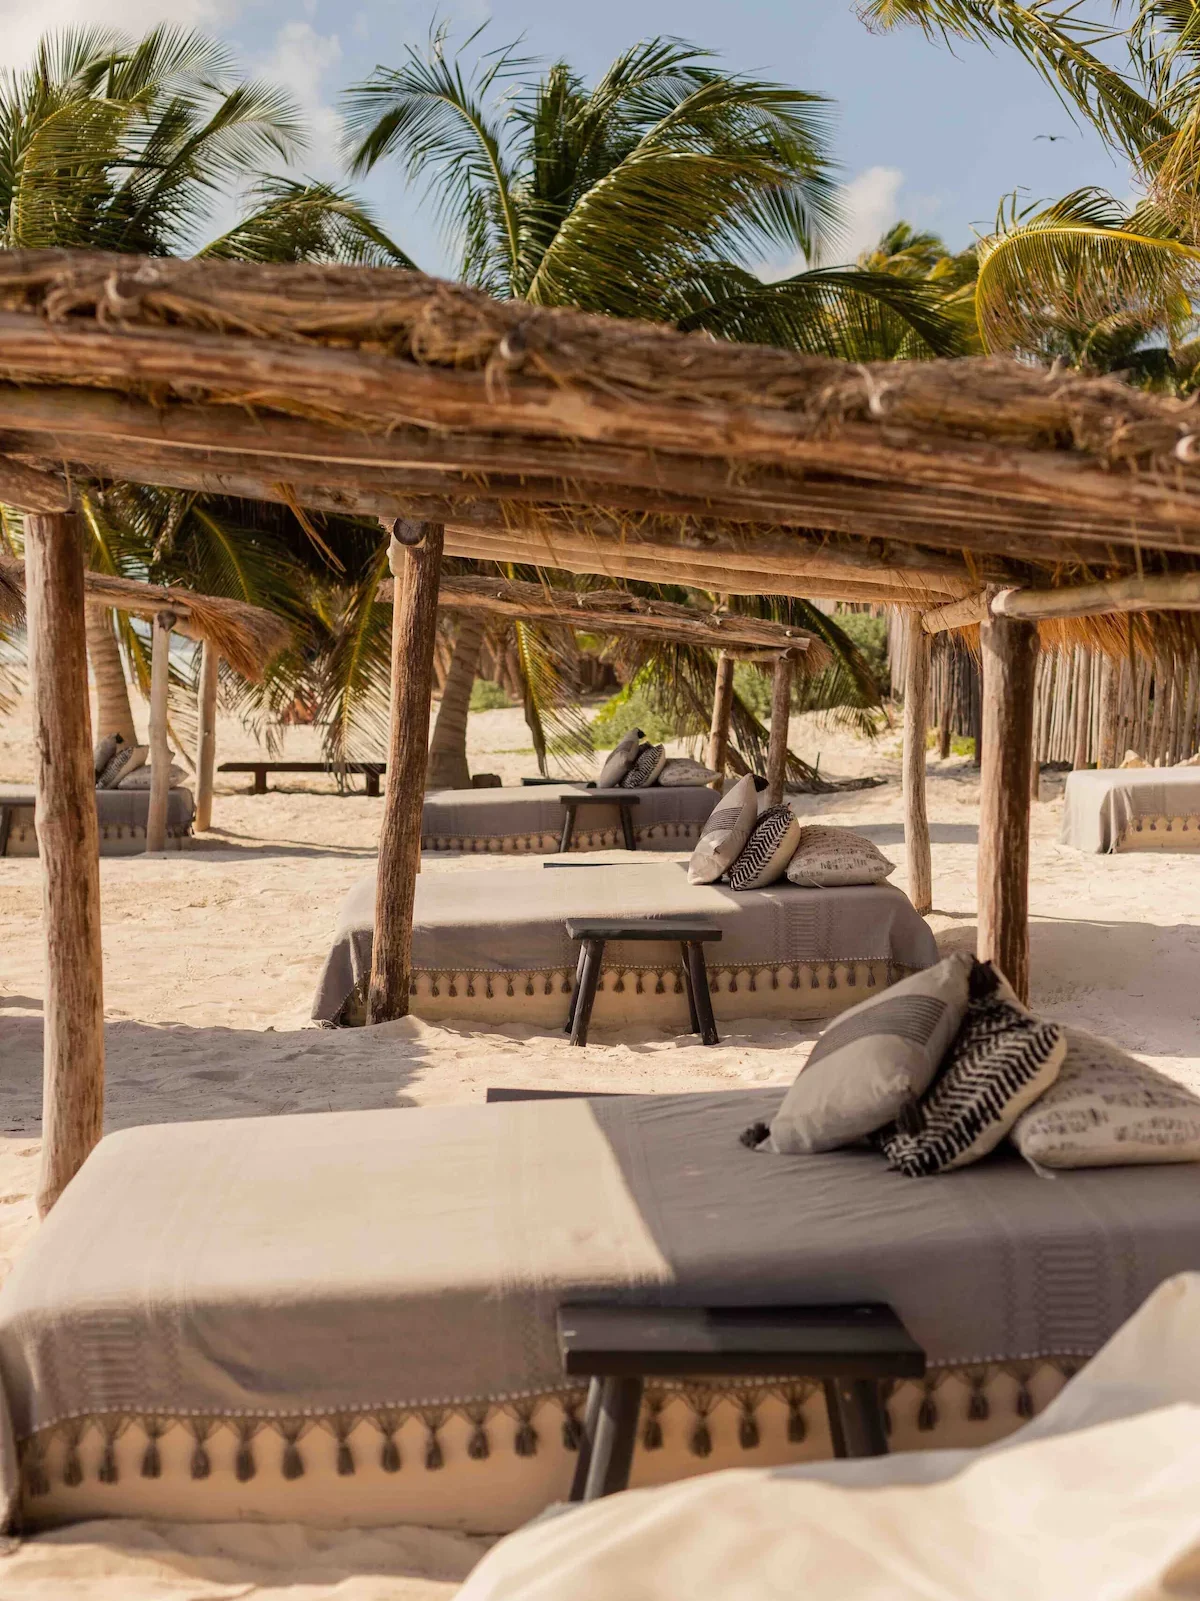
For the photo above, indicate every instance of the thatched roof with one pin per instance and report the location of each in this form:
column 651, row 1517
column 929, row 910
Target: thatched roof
column 583, row 442
column 246, row 636
column 617, row 611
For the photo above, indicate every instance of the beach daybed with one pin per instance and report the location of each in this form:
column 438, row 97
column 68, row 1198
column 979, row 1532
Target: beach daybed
column 350, row 1318
column 666, row 818
column 122, row 815
column 1132, row 809
column 501, row 951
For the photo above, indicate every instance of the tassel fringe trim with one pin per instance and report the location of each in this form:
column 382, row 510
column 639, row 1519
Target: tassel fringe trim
column 534, row 843
column 854, row 973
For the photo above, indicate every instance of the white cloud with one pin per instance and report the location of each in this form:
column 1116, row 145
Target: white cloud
column 22, row 22
column 869, row 207
column 302, row 61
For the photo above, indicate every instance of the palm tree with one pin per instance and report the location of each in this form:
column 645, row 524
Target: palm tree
column 656, row 193
column 127, row 145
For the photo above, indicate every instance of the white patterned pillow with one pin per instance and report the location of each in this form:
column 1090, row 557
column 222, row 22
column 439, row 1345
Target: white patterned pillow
column 1002, row 1059
column 828, row 858
column 1107, row 1109
column 126, row 760
column 725, row 833
column 767, row 852
column 620, row 759
column 650, row 762
column 680, row 770
column 142, row 778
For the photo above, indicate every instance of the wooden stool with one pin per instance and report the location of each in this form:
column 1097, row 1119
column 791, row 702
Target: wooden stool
column 623, row 801
column 593, row 937
column 849, row 1348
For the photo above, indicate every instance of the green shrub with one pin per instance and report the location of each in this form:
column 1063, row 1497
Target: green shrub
column 630, row 708
column 870, row 635
column 754, row 687
column 487, row 696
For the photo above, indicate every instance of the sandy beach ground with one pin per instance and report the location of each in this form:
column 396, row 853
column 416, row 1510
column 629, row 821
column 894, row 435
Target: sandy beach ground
column 211, row 959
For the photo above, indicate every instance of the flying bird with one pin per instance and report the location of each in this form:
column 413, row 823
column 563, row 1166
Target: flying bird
column 1053, row 137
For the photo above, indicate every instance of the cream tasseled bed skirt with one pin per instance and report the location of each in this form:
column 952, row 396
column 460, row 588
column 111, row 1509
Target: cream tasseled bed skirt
column 1161, row 834
column 485, row 1468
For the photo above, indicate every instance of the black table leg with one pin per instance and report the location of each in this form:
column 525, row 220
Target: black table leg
column 570, row 1024
column 5, row 828
column 583, row 1462
column 616, row 1435
column 627, row 828
column 856, row 1422
column 372, row 782
column 701, row 998
column 593, row 951
column 260, row 781
column 694, row 1021
column 568, row 828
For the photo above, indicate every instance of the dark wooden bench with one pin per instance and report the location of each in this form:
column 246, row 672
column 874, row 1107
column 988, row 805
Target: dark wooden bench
column 371, row 771
column 598, row 797
column 851, row 1349
column 594, row 935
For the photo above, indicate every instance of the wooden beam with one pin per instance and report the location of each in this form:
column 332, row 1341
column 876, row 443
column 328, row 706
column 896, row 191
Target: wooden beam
column 160, row 749
column 206, row 734
column 957, row 614
column 69, row 847
column 1168, row 592
column 781, row 711
column 916, row 724
column 1009, row 649
column 718, row 735
column 30, row 490
column 414, row 625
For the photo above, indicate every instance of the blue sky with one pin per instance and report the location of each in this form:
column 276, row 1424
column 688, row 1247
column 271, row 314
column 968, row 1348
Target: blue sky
column 921, row 133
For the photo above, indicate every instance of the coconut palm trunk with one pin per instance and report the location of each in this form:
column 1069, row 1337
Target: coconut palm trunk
column 447, row 767
column 114, row 715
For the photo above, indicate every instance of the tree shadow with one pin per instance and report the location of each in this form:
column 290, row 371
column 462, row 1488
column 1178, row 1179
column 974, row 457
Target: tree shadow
column 939, row 833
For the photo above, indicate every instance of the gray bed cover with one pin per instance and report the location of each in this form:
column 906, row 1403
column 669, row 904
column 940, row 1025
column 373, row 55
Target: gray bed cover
column 515, row 922
column 1100, row 804
column 511, row 813
column 118, row 808
column 348, row 1260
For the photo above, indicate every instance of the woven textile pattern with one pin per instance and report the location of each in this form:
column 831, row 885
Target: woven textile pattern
column 910, row 1017
column 1000, row 1062
column 766, row 853
column 646, row 768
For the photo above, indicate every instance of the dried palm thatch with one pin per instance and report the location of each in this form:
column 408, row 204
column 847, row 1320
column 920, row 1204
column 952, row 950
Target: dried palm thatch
column 379, row 391
column 246, row 636
column 617, row 611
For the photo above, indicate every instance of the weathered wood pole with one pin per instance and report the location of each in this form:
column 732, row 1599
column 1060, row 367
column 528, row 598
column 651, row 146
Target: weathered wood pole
column 781, row 708
column 1083, row 707
column 1110, row 694
column 69, row 847
column 414, row 624
column 916, row 723
column 1009, row 650
column 206, row 734
column 718, row 734
column 160, row 749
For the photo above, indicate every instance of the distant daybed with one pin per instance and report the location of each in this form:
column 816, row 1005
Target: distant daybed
column 349, row 1318
column 122, row 816
column 1132, row 809
column 500, row 950
column 531, row 819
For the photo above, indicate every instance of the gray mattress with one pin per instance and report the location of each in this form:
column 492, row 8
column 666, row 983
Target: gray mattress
column 345, row 1261
column 466, row 819
column 515, row 922
column 1100, row 806
column 119, row 811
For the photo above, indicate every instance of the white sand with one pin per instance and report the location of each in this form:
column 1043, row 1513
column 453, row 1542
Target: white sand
column 212, row 955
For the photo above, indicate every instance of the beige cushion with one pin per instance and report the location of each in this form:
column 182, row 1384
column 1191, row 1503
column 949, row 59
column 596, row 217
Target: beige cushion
column 127, row 759
column 142, row 777
column 1132, row 759
column 649, row 763
column 621, row 758
column 1107, row 1109
column 827, row 858
column 765, row 855
column 873, row 1061
column 725, row 834
column 105, row 750
column 680, row 770
column 1001, row 1060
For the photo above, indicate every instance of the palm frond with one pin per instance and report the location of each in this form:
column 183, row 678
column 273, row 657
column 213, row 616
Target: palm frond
column 294, row 220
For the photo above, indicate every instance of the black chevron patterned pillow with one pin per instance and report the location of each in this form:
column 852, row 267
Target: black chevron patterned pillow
column 767, row 852
column 1001, row 1061
column 651, row 759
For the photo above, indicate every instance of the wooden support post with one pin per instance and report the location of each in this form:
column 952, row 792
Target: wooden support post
column 1083, row 707
column 414, row 625
column 781, row 709
column 718, row 736
column 916, row 722
column 1009, row 649
column 160, row 749
column 1110, row 691
column 206, row 734
column 69, row 847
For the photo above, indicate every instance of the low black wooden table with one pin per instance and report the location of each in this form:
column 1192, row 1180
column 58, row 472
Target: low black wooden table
column 598, row 797
column 594, row 935
column 371, row 771
column 850, row 1348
